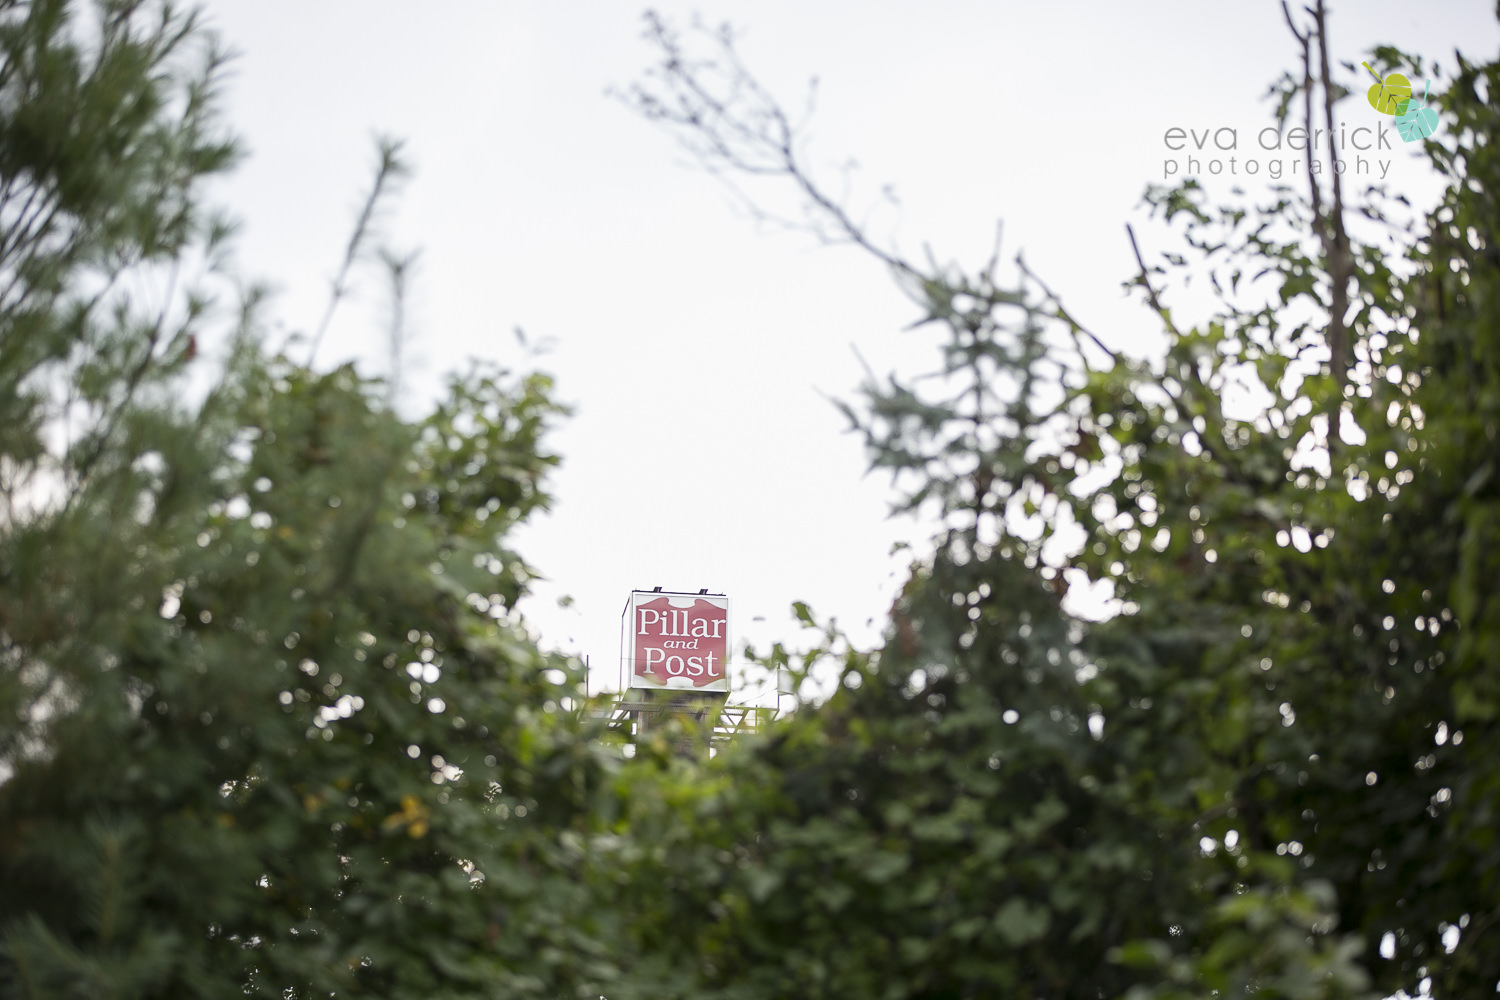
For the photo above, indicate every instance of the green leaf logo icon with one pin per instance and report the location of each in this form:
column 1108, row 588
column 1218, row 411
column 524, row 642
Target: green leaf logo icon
column 1416, row 121
column 1388, row 95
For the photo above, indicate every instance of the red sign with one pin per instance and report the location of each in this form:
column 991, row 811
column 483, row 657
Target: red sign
column 678, row 641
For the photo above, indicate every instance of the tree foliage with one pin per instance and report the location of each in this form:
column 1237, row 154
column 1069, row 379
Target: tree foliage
column 272, row 727
column 1266, row 771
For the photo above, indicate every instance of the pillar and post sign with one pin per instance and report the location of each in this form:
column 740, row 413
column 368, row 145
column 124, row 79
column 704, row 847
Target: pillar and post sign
column 674, row 655
column 677, row 642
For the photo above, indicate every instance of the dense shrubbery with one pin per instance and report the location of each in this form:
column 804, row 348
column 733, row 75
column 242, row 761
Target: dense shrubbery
column 269, row 725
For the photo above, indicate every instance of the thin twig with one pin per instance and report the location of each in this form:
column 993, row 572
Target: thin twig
column 1062, row 313
column 1210, row 398
column 132, row 384
column 1161, row 310
column 398, row 269
column 389, row 170
column 744, row 132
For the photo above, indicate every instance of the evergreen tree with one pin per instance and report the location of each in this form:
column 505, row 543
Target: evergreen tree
column 270, row 726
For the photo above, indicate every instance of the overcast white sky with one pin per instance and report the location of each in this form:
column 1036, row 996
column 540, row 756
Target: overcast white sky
column 692, row 342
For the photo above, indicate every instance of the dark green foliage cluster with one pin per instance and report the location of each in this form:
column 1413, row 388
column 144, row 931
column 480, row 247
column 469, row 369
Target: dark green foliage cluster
column 269, row 724
column 270, row 727
column 1271, row 770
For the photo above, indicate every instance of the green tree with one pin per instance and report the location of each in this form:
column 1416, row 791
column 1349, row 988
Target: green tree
column 268, row 723
column 1268, row 771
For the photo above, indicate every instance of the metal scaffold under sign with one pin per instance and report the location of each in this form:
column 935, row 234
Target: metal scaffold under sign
column 674, row 670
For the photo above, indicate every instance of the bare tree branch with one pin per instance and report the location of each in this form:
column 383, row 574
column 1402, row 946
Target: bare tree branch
column 1329, row 225
column 389, row 169
column 1335, row 237
column 731, row 125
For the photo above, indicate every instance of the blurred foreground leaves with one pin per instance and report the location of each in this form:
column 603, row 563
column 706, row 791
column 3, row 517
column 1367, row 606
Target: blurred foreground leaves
column 269, row 724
